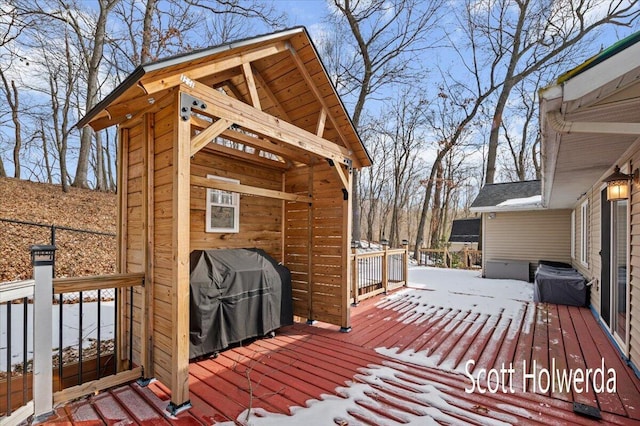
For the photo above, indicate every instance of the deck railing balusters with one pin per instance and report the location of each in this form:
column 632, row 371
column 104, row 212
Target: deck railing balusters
column 60, row 341
column 99, row 335
column 375, row 271
column 9, row 358
column 25, row 340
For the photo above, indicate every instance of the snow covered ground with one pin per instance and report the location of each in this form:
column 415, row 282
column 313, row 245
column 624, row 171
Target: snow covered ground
column 70, row 327
column 453, row 288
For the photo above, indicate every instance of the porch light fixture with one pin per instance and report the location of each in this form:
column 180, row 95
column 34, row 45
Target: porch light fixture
column 618, row 184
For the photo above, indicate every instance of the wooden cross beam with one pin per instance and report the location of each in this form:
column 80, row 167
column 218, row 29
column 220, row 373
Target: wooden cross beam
column 262, row 123
column 203, row 138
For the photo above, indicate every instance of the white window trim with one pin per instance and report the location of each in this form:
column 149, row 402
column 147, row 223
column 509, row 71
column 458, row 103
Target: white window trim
column 573, row 234
column 235, row 199
column 584, row 233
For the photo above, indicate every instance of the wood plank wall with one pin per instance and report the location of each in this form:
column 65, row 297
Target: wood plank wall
column 314, row 244
column 327, row 246
column 260, row 218
column 297, row 238
column 162, row 256
column 132, row 238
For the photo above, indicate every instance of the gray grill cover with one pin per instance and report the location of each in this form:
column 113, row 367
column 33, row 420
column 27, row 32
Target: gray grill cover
column 559, row 285
column 236, row 295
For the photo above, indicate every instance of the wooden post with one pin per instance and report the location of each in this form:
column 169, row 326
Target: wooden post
column 346, row 258
column 149, row 212
column 42, row 260
column 180, row 238
column 123, row 178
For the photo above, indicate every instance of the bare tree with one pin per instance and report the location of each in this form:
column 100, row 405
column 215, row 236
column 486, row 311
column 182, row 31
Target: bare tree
column 523, row 135
column 524, row 36
column 458, row 103
column 404, row 131
column 374, row 179
column 386, row 36
column 12, row 98
column 12, row 24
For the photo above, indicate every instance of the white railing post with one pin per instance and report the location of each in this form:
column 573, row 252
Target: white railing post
column 385, row 265
column 42, row 258
column 354, row 273
column 405, row 262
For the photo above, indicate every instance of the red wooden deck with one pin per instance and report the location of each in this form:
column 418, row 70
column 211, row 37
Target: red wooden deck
column 353, row 384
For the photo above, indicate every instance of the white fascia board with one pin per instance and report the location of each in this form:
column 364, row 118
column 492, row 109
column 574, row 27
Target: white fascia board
column 604, row 72
column 489, row 209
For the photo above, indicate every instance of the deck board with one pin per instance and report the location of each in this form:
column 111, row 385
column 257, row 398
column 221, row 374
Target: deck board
column 307, row 362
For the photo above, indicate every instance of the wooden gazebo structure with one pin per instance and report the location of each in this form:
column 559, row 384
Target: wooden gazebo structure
column 262, row 118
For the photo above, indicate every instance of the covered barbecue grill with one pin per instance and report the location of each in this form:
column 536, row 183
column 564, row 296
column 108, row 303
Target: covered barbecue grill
column 559, row 283
column 236, row 294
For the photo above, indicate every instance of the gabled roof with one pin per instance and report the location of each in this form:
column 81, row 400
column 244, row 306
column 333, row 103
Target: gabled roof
column 509, row 196
column 286, row 80
column 465, row 230
column 588, row 120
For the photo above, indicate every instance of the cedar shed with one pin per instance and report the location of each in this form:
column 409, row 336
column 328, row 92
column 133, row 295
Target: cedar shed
column 259, row 122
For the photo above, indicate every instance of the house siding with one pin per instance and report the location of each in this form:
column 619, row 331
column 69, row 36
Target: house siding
column 634, row 267
column 528, row 235
column 593, row 270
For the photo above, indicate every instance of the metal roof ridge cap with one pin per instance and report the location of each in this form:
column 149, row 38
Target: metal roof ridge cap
column 207, row 51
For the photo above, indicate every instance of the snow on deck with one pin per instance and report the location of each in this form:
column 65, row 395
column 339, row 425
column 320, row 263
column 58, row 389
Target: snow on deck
column 404, row 363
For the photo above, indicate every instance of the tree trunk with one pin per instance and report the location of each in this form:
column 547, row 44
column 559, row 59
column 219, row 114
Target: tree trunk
column 425, row 205
column 13, row 101
column 145, row 50
column 435, row 210
column 495, row 131
column 101, row 184
column 15, row 105
column 45, row 152
column 82, row 170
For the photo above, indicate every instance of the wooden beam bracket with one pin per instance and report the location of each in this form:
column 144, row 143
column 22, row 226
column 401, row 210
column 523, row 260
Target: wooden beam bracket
column 187, row 103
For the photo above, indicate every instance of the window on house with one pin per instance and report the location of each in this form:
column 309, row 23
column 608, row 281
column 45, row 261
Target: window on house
column 573, row 234
column 584, row 233
column 223, row 208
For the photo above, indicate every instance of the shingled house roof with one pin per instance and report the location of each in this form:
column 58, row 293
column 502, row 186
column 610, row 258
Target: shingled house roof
column 508, row 196
column 465, row 230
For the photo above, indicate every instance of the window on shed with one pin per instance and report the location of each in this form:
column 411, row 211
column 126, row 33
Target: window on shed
column 223, row 208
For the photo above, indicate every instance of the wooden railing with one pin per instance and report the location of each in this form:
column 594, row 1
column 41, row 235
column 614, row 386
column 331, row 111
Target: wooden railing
column 465, row 258
column 378, row 272
column 98, row 358
column 106, row 362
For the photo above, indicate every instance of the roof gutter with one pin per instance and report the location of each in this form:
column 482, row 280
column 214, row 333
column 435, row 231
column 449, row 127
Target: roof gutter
column 560, row 125
column 511, row 208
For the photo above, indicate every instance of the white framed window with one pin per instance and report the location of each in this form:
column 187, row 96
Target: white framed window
column 573, row 234
column 223, row 208
column 584, row 233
